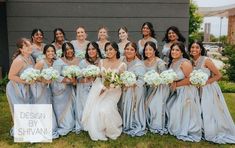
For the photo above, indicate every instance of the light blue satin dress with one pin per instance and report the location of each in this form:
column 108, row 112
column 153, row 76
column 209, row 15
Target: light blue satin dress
column 132, row 102
column 183, row 110
column 42, row 95
column 63, row 100
column 218, row 125
column 141, row 48
column 155, row 103
column 37, row 54
column 19, row 93
column 77, row 48
column 165, row 53
column 82, row 92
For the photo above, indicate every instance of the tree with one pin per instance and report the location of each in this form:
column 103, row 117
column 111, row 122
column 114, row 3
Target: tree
column 195, row 20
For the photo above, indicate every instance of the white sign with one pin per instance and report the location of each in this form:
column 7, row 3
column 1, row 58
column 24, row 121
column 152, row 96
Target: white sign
column 32, row 123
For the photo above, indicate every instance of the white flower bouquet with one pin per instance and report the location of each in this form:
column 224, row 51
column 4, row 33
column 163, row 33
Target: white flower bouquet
column 91, row 71
column 59, row 53
column 50, row 74
column 71, row 71
column 111, row 79
column 152, row 78
column 128, row 78
column 168, row 76
column 30, row 75
column 198, row 78
column 80, row 54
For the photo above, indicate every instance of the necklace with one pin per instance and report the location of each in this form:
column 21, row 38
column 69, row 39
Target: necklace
column 151, row 61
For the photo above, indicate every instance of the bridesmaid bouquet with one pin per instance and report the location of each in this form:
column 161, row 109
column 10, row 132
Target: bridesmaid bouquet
column 59, row 53
column 30, row 75
column 91, row 71
column 198, row 78
column 50, row 74
column 111, row 79
column 71, row 71
column 128, row 78
column 168, row 76
column 152, row 78
column 80, row 54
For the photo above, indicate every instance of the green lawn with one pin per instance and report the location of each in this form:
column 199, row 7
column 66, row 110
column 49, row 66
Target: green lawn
column 82, row 140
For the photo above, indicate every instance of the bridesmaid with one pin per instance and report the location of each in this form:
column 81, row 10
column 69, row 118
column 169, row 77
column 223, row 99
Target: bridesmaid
column 133, row 112
column 123, row 38
column 183, row 108
column 172, row 35
column 92, row 57
column 148, row 34
column 59, row 38
column 102, row 38
column 41, row 92
column 218, row 126
column 156, row 96
column 63, row 91
column 80, row 43
column 18, row 90
column 37, row 36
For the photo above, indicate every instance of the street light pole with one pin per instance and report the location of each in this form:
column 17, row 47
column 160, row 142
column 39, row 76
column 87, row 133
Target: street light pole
column 220, row 30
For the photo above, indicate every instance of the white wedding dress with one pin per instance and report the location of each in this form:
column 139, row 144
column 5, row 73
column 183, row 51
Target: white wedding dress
column 100, row 116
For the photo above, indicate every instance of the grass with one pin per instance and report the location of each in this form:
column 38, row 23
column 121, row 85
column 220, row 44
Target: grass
column 82, row 140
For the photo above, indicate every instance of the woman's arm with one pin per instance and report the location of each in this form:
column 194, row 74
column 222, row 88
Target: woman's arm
column 15, row 68
column 216, row 73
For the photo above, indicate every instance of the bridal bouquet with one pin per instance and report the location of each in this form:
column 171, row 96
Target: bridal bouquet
column 91, row 71
column 30, row 75
column 59, row 53
column 50, row 74
column 128, row 78
column 198, row 78
column 152, row 78
column 111, row 79
column 71, row 71
column 168, row 76
column 80, row 54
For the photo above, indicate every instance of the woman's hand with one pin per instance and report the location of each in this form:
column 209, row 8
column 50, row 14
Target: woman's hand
column 173, row 86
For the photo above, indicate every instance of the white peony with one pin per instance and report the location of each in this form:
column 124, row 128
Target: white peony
column 128, row 78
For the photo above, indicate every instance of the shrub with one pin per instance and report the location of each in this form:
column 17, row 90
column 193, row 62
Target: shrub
column 230, row 69
column 3, row 84
column 227, row 87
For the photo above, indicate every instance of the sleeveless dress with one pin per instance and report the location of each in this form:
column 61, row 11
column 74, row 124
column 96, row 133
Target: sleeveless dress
column 82, row 92
column 156, row 102
column 141, row 48
column 183, row 110
column 19, row 93
column 100, row 116
column 132, row 102
column 63, row 100
column 42, row 95
column 218, row 125
column 37, row 54
column 165, row 53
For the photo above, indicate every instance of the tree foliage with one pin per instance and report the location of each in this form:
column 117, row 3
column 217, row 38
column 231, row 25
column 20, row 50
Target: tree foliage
column 195, row 20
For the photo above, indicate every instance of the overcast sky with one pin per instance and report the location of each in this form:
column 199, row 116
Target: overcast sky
column 215, row 21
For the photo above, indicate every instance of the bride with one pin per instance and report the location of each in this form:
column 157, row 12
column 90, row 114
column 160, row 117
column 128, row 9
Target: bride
column 101, row 117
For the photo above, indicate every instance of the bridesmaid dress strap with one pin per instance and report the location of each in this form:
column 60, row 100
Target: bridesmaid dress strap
column 201, row 62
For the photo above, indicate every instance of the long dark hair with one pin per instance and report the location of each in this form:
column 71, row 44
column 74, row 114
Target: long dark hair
column 115, row 46
column 176, row 31
column 182, row 49
column 96, row 46
column 150, row 26
column 54, row 32
column 153, row 45
column 48, row 46
column 19, row 44
column 133, row 44
column 203, row 50
column 35, row 31
column 65, row 47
